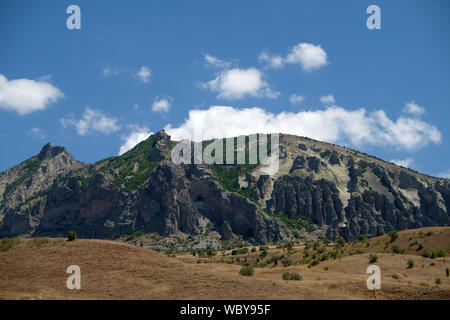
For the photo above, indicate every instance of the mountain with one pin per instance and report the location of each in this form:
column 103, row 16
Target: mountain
column 321, row 190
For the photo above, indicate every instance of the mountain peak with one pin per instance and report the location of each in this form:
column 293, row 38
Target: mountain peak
column 50, row 151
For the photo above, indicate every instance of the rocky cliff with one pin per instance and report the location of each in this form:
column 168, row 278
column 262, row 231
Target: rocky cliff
column 321, row 190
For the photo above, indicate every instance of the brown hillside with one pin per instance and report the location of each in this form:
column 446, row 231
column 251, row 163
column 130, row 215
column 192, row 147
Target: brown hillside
column 35, row 269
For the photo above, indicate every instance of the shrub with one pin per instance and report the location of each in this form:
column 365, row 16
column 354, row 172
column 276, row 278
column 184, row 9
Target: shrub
column 394, row 235
column 373, row 258
column 334, row 254
column 324, row 256
column 438, row 253
column 397, row 249
column 291, row 276
column 419, row 247
column 395, row 276
column 286, row 262
column 426, row 254
column 71, row 236
column 253, row 250
column 438, row 281
column 134, row 235
column 325, row 268
column 315, row 262
column 410, row 264
column 340, row 242
column 429, row 233
column 247, row 271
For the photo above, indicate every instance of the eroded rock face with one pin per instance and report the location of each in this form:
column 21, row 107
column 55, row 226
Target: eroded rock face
column 342, row 192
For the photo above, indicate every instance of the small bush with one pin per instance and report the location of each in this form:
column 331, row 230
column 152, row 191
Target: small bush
column 394, row 235
column 419, row 247
column 410, row 264
column 247, row 271
column 325, row 268
column 253, row 250
column 397, row 249
column 72, row 236
column 395, row 276
column 426, row 254
column 438, row 281
column 286, row 262
column 340, row 242
column 429, row 233
column 438, row 253
column 291, row 276
column 373, row 258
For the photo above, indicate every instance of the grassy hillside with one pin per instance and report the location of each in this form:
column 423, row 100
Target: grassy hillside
column 35, row 269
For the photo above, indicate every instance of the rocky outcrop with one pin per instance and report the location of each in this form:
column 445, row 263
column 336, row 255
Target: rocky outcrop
column 340, row 191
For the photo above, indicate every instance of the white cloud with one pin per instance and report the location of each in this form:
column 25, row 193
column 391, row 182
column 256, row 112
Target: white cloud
column 137, row 135
column 239, row 83
column 445, row 174
column 162, row 104
column 413, row 108
column 329, row 99
column 25, row 96
column 92, row 121
column 294, row 98
column 144, row 74
column 334, row 124
column 108, row 72
column 273, row 61
column 38, row 133
column 308, row 55
column 406, row 163
column 216, row 62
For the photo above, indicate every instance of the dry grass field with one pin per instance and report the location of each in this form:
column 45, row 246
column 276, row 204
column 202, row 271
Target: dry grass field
column 36, row 269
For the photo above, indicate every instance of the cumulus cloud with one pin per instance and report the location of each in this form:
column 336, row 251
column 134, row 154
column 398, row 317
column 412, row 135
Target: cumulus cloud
column 309, row 56
column 273, row 61
column 329, row 99
column 25, row 96
column 162, row 104
column 406, row 163
column 144, row 74
column 238, row 83
column 334, row 124
column 137, row 135
column 295, row 98
column 216, row 62
column 91, row 122
column 413, row 108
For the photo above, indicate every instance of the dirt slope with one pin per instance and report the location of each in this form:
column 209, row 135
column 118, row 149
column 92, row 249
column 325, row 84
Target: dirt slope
column 35, row 269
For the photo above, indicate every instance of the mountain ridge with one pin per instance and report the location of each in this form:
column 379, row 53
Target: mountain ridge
column 321, row 190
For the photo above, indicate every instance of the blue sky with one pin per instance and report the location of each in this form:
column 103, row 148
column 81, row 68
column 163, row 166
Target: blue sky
column 136, row 67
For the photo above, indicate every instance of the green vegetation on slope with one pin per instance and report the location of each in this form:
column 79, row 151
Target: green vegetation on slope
column 30, row 167
column 129, row 179
column 227, row 175
column 298, row 224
